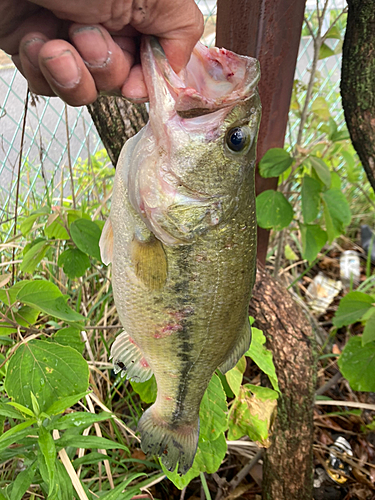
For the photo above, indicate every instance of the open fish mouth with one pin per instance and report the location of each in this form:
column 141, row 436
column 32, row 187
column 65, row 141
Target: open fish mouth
column 214, row 78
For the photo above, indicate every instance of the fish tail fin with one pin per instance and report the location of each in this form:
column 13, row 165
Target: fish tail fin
column 175, row 445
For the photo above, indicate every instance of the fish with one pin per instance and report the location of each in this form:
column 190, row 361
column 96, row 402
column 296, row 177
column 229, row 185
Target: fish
column 181, row 237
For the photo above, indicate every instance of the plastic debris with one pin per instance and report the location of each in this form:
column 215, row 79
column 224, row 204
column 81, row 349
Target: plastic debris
column 321, row 292
column 337, row 468
column 350, row 270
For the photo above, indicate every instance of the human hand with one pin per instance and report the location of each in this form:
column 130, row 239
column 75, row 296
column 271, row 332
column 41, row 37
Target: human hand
column 78, row 48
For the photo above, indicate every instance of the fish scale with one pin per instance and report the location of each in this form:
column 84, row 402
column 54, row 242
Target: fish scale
column 181, row 237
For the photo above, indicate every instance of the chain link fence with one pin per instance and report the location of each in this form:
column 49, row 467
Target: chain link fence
column 51, row 125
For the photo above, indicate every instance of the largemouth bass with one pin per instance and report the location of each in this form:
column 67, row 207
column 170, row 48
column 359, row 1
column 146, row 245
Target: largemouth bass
column 181, row 237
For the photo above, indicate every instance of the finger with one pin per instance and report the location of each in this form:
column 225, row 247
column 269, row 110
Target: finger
column 135, row 88
column 108, row 63
column 30, row 47
column 177, row 23
column 66, row 73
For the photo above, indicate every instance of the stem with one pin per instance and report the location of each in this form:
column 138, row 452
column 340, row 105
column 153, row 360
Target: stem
column 69, row 157
column 19, row 178
column 205, row 487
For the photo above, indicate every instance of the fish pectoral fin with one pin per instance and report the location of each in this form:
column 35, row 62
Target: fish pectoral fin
column 175, row 445
column 106, row 243
column 238, row 350
column 149, row 261
column 128, row 358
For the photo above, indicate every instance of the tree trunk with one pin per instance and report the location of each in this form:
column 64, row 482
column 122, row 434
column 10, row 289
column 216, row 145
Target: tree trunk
column 116, row 120
column 288, row 463
column 358, row 81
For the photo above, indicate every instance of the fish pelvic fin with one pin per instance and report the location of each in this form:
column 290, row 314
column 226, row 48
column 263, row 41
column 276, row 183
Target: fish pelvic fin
column 150, row 262
column 175, row 445
column 238, row 350
column 128, row 358
column 106, row 243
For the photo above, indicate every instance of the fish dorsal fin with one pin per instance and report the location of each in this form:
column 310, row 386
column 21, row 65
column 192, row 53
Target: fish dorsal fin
column 149, row 261
column 238, row 350
column 106, row 243
column 128, row 358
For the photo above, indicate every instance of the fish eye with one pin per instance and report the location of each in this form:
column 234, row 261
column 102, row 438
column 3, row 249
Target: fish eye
column 238, row 138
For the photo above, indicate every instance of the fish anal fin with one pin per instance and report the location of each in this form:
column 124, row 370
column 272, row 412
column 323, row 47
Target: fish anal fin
column 106, row 243
column 238, row 350
column 149, row 261
column 129, row 359
column 175, row 445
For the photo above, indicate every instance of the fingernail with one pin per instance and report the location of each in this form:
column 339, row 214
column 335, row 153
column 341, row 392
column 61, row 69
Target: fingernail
column 31, row 50
column 92, row 45
column 63, row 69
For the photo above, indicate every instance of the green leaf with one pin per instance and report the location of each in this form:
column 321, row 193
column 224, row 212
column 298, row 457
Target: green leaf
column 86, row 235
column 310, row 193
column 74, row 262
column 289, row 253
column 235, row 375
column 352, row 308
column 79, row 419
column 71, row 337
column 369, row 331
column 336, row 213
column 16, row 433
column 252, row 413
column 147, row 390
column 21, row 408
column 273, row 210
column 352, row 171
column 32, row 258
column 25, row 316
column 335, row 180
column 208, row 459
column 7, row 411
column 212, row 412
column 64, row 482
column 47, row 447
column 9, row 295
column 321, row 170
column 46, row 297
column 89, row 442
column 55, row 228
column 116, row 494
column 325, row 51
column 22, row 482
column 357, row 364
column 261, row 356
column 62, row 404
column 275, row 162
column 49, row 370
column 313, row 240
column 334, row 32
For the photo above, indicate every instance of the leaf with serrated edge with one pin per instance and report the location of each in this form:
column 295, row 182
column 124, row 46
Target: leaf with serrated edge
column 212, row 412
column 49, row 370
column 261, row 356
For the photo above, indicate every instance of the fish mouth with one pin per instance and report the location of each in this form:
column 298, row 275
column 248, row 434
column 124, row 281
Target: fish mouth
column 213, row 79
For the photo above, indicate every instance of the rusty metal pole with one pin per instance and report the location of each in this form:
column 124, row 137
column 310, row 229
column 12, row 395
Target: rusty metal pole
column 269, row 30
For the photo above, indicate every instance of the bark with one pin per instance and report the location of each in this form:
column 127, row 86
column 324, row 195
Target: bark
column 116, row 120
column 358, row 81
column 288, row 463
